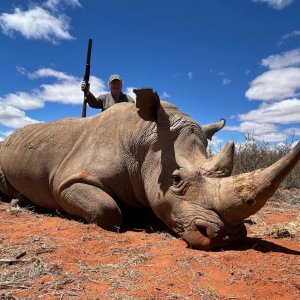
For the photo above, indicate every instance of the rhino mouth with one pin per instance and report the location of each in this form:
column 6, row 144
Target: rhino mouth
column 206, row 237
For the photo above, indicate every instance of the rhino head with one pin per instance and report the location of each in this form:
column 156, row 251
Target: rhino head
column 196, row 196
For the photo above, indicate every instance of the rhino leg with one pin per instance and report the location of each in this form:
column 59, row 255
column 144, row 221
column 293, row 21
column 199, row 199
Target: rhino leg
column 6, row 188
column 92, row 204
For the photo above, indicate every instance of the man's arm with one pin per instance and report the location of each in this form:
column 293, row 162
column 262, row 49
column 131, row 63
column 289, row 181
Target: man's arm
column 94, row 102
column 90, row 98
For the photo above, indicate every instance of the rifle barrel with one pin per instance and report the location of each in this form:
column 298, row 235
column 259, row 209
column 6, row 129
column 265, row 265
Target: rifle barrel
column 86, row 77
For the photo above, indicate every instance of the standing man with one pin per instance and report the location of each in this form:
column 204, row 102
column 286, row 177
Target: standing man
column 105, row 101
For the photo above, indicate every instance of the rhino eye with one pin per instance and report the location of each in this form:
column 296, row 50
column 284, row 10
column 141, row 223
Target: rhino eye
column 176, row 179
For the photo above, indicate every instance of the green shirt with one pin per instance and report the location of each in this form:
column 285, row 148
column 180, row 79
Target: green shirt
column 105, row 101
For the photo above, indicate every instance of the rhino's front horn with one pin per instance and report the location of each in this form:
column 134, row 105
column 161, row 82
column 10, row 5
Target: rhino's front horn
column 241, row 196
column 221, row 164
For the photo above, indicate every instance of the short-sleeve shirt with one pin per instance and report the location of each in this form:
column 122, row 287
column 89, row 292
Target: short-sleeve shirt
column 105, row 101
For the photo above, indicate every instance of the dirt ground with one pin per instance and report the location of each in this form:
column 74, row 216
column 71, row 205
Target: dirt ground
column 44, row 256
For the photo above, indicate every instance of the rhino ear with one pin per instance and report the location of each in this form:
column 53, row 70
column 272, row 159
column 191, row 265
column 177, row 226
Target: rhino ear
column 211, row 129
column 148, row 103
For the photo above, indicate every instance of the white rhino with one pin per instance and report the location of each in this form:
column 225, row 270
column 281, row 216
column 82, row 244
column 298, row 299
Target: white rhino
column 144, row 154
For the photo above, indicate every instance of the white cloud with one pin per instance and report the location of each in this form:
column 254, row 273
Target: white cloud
column 13, row 117
column 275, row 84
column 47, row 72
column 177, row 75
column 68, row 91
column 190, row 75
column 253, row 128
column 36, row 23
column 288, row 36
column 215, row 145
column 226, row 81
column 278, row 89
column 65, row 90
column 55, row 4
column 260, row 123
column 129, row 91
column 165, row 95
column 23, row 100
column 276, row 4
column 4, row 134
column 283, row 112
column 287, row 59
column 262, row 132
column 293, row 131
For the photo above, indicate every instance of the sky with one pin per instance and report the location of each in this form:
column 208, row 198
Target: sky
column 234, row 59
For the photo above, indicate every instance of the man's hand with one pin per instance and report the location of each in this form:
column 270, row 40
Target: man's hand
column 85, row 87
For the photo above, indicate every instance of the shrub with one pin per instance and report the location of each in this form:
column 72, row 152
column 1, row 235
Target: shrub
column 252, row 155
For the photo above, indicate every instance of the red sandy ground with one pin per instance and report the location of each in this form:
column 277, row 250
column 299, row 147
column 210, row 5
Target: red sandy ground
column 52, row 257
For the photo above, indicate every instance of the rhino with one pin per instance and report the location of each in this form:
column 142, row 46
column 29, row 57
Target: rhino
column 143, row 154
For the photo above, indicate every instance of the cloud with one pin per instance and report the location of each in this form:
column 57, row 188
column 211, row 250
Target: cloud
column 4, row 134
column 215, row 145
column 129, row 91
column 278, row 88
column 275, row 84
column 293, row 131
column 262, row 132
column 283, row 112
column 165, row 95
column 276, row 4
column 13, row 117
column 226, row 81
column 65, row 89
column 260, row 123
column 68, row 91
column 37, row 24
column 287, row 59
column 190, row 75
column 45, row 72
column 56, row 4
column 288, row 36
column 23, row 100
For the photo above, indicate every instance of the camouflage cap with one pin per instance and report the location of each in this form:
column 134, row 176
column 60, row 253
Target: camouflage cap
column 114, row 77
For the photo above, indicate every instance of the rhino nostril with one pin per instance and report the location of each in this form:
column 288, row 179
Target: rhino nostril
column 202, row 230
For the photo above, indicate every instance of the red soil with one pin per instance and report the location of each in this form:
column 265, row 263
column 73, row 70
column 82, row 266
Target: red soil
column 50, row 257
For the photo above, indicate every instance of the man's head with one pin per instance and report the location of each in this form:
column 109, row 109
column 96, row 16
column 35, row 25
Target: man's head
column 115, row 84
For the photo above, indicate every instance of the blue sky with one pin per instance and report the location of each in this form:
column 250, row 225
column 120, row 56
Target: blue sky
column 236, row 59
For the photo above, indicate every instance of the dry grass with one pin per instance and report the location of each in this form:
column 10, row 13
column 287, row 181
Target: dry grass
column 284, row 230
column 252, row 155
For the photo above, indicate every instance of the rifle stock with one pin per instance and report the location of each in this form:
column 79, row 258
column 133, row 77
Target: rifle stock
column 86, row 77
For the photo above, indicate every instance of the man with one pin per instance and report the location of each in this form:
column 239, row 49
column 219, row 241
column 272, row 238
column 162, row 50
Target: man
column 105, row 101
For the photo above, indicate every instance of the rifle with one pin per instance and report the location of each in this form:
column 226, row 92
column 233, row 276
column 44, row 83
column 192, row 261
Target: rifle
column 86, row 77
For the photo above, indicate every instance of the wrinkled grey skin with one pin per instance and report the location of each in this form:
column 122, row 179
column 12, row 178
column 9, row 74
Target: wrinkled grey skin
column 144, row 154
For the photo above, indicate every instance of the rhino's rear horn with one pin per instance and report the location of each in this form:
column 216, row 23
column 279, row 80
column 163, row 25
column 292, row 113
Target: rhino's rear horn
column 211, row 129
column 221, row 164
